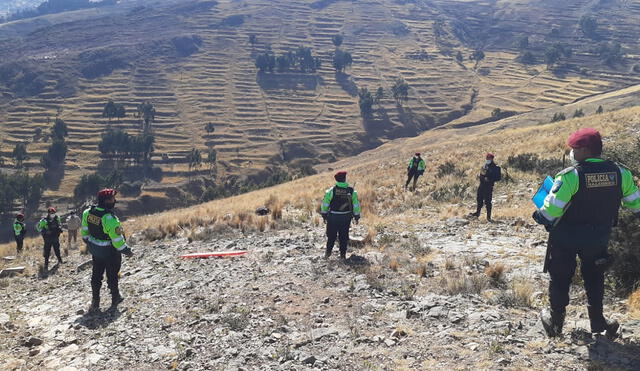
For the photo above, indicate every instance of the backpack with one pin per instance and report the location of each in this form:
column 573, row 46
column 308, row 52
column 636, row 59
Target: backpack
column 497, row 175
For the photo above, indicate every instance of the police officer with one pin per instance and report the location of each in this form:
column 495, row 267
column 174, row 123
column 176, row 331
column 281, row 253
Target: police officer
column 414, row 170
column 339, row 205
column 105, row 240
column 50, row 227
column 489, row 174
column 579, row 213
column 19, row 231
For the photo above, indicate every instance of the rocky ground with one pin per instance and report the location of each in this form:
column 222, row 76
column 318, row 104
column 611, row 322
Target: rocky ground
column 428, row 298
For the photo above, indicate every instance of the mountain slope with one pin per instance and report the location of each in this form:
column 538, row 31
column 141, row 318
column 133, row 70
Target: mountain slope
column 292, row 119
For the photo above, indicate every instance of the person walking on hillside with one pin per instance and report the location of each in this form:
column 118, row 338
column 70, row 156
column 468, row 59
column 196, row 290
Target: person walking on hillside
column 19, row 231
column 73, row 224
column 489, row 174
column 105, row 240
column 579, row 213
column 50, row 227
column 339, row 205
column 414, row 170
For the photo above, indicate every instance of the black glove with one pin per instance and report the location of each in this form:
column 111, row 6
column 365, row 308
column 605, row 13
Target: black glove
column 357, row 218
column 127, row 252
column 324, row 218
column 540, row 219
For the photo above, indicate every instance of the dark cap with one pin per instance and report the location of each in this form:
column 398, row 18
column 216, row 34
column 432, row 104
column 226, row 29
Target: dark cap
column 341, row 176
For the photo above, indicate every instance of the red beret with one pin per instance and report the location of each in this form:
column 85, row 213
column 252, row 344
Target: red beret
column 417, row 154
column 587, row 137
column 490, row 155
column 340, row 176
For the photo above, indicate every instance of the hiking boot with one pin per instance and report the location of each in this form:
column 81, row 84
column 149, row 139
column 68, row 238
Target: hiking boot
column 343, row 256
column 610, row 330
column 473, row 215
column 327, row 253
column 552, row 323
column 95, row 305
column 115, row 300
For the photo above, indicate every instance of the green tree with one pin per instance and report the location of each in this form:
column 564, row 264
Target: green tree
column 527, row 58
column 55, row 155
column 578, row 113
column 400, row 91
column 337, row 40
column 194, row 159
column 599, row 110
column 20, row 154
column 365, row 102
column 379, row 95
column 496, row 113
column 265, row 62
column 212, row 158
column 59, row 129
column 558, row 116
column 459, row 57
column 110, row 110
column 589, row 26
column 147, row 112
column 121, row 111
column 88, row 186
column 210, row 128
column 341, row 60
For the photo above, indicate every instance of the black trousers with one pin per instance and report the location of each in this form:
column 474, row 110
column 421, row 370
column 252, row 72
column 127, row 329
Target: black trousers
column 110, row 262
column 590, row 245
column 484, row 196
column 412, row 175
column 19, row 243
column 338, row 228
column 49, row 242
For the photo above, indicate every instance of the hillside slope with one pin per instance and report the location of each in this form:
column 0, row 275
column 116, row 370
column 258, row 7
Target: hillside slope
column 292, row 119
column 424, row 288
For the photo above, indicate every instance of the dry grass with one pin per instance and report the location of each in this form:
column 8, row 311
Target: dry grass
column 495, row 271
column 633, row 304
column 394, row 264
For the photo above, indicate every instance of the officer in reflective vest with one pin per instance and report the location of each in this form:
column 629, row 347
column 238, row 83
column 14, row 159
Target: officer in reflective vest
column 414, row 170
column 50, row 227
column 339, row 205
column 19, row 230
column 579, row 213
column 102, row 233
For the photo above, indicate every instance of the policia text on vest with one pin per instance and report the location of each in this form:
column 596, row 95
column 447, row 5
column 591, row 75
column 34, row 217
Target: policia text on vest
column 339, row 205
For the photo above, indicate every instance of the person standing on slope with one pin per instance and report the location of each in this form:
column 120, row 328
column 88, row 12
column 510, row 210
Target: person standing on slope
column 489, row 174
column 339, row 205
column 579, row 213
column 73, row 224
column 104, row 237
column 19, row 231
column 414, row 170
column 50, row 227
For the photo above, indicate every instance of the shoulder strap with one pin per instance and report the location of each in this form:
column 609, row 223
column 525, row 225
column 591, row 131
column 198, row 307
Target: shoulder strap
column 567, row 170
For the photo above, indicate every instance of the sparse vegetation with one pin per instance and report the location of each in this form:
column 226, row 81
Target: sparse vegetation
column 589, row 26
column 558, row 116
column 365, row 101
column 400, row 91
column 530, row 162
column 20, row 154
column 341, row 60
column 302, row 59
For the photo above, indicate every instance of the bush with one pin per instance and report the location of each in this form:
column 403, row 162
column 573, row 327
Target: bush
column 457, row 191
column 558, row 116
column 448, row 168
column 530, row 162
column 578, row 113
column 131, row 189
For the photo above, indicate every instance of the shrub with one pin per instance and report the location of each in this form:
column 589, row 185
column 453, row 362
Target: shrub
column 530, row 162
column 578, row 113
column 448, row 168
column 625, row 248
column 558, row 116
column 457, row 191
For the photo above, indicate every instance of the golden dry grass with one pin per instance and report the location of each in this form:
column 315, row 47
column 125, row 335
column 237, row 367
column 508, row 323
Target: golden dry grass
column 633, row 304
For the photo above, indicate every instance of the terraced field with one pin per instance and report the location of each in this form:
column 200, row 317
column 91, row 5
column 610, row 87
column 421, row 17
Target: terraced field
column 292, row 119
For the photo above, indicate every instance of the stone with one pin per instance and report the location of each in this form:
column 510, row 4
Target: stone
column 323, row 332
column 263, row 210
column 84, row 266
column 389, row 342
column 4, row 319
column 310, row 360
column 33, row 341
column 11, row 271
column 34, row 352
